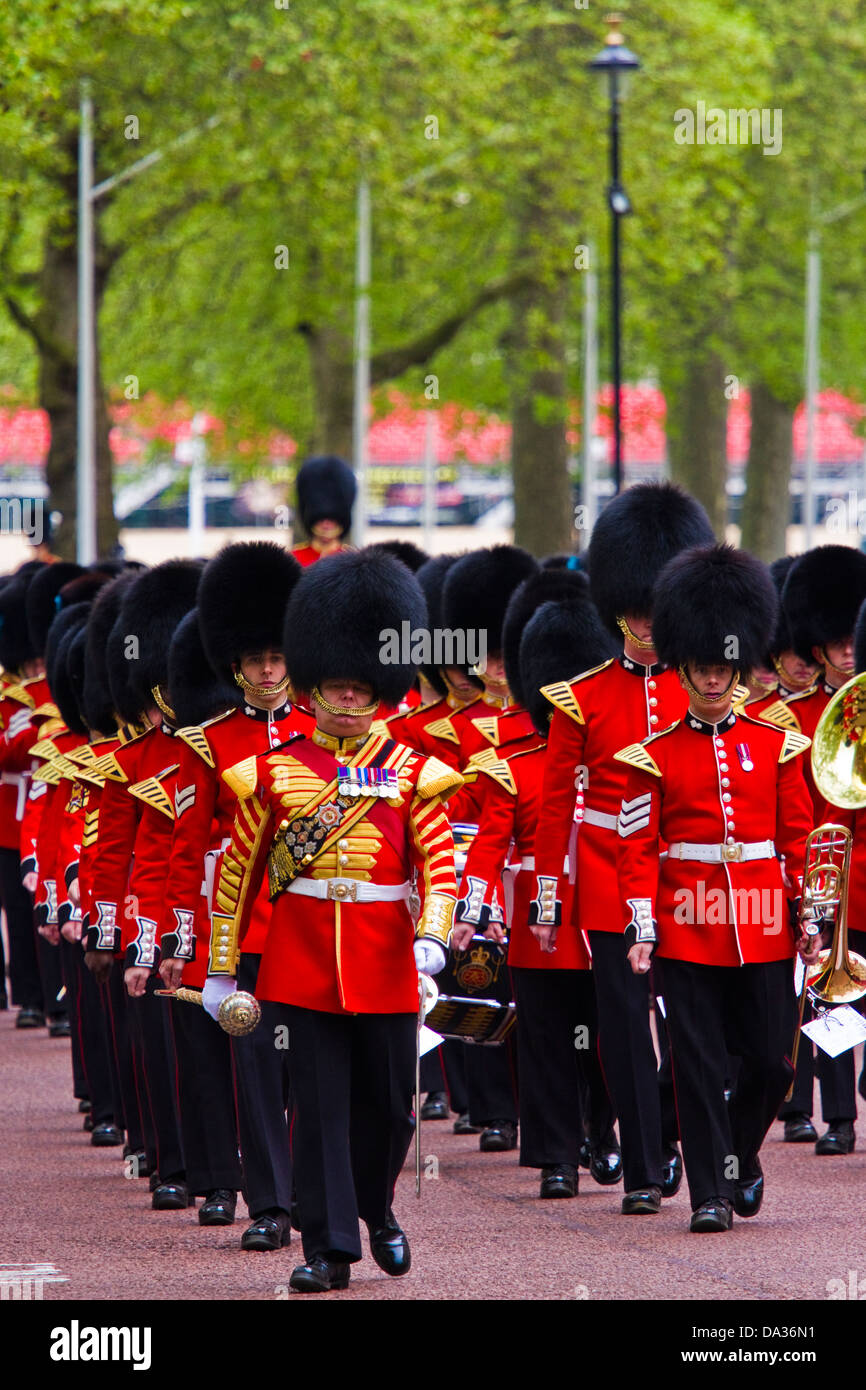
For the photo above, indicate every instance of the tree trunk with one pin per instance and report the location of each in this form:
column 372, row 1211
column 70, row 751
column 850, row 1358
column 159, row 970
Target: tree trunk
column 766, row 505
column 55, row 330
column 543, row 508
column 697, row 433
column 332, row 372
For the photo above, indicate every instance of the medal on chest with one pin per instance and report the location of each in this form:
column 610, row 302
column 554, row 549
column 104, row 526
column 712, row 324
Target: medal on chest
column 745, row 757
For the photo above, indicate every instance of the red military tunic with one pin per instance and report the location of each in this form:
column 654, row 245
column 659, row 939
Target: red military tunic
column 205, row 808
column 308, row 554
column 594, row 716
column 25, row 706
column 808, row 707
column 433, row 730
column 509, row 817
column 734, row 784
column 507, row 731
column 338, row 953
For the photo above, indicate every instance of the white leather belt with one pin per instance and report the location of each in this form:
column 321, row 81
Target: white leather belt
column 350, row 890
column 528, row 861
column 600, row 818
column 737, row 853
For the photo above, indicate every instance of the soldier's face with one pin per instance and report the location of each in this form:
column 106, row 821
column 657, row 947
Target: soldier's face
column 797, row 671
column 459, row 683
column 264, row 668
column 710, row 681
column 841, row 654
column 327, row 529
column 640, row 625
column 349, row 695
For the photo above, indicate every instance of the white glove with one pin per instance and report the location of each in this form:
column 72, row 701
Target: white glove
column 430, row 955
column 216, row 989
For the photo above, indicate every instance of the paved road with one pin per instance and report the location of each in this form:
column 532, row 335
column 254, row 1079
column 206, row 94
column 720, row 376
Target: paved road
column 479, row 1230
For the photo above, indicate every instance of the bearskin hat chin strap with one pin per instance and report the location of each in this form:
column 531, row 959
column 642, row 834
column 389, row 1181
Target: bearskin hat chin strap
column 639, row 642
column 260, row 691
column 787, row 678
column 696, row 694
column 837, row 670
column 161, row 702
column 356, row 711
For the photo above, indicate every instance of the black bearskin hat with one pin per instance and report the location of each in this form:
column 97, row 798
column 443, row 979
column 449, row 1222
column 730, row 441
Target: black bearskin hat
column 195, row 691
column 242, row 601
column 16, row 644
column 344, row 614
column 632, row 541
column 326, row 489
column 412, row 555
column 714, row 605
column 781, row 641
column 152, row 607
column 478, row 588
column 98, row 703
column 860, row 640
column 66, row 622
column 76, row 655
column 431, row 577
column 546, row 586
column 43, row 601
column 822, row 596
column 70, row 625
column 559, row 641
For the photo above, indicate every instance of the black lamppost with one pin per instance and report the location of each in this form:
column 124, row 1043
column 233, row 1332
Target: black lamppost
column 616, row 60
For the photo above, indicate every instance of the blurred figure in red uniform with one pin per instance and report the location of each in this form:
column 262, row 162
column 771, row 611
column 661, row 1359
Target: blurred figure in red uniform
column 326, row 494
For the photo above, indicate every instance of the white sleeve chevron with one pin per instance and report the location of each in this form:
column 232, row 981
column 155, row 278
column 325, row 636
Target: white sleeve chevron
column 635, row 814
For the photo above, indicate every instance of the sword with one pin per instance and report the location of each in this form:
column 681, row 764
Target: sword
column 428, row 993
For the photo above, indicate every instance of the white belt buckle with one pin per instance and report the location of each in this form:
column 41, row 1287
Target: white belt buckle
column 732, row 854
column 341, row 889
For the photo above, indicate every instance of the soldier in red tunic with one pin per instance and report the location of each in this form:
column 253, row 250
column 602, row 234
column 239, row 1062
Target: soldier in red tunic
column 725, row 795
column 339, row 821
column 556, row 1040
column 326, row 493
column 241, row 606
column 595, row 714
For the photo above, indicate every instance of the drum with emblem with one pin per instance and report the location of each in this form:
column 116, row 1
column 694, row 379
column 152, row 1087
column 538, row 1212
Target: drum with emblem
column 474, row 1003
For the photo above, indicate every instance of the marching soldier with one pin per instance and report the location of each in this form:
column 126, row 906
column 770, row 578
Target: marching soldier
column 326, row 494
column 337, row 819
column 241, row 607
column 555, row 994
column 726, row 796
column 594, row 716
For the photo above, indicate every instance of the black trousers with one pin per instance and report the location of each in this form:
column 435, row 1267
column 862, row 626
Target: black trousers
column 24, row 976
column 628, row 1058
column 207, row 1104
column 156, row 1079
column 352, row 1081
column 835, row 1077
column 491, row 1085
column 264, row 1109
column 748, row 1011
column 128, row 1096
column 70, row 974
column 444, row 1069
column 557, row 1063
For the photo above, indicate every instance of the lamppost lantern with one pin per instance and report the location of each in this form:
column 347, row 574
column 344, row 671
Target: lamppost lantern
column 616, row 61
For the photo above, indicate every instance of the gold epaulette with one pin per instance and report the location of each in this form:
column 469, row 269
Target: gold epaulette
column 635, row 755
column 561, row 695
column 48, row 711
column 380, row 726
column 45, row 748
column 495, row 767
column 151, row 791
column 779, row 714
column 48, row 773
column 108, row 767
column 83, row 755
column 488, row 726
column 739, row 698
column 17, row 692
column 443, row 728
column 794, row 743
column 243, row 778
column 437, row 779
column 65, row 767
column 195, row 738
